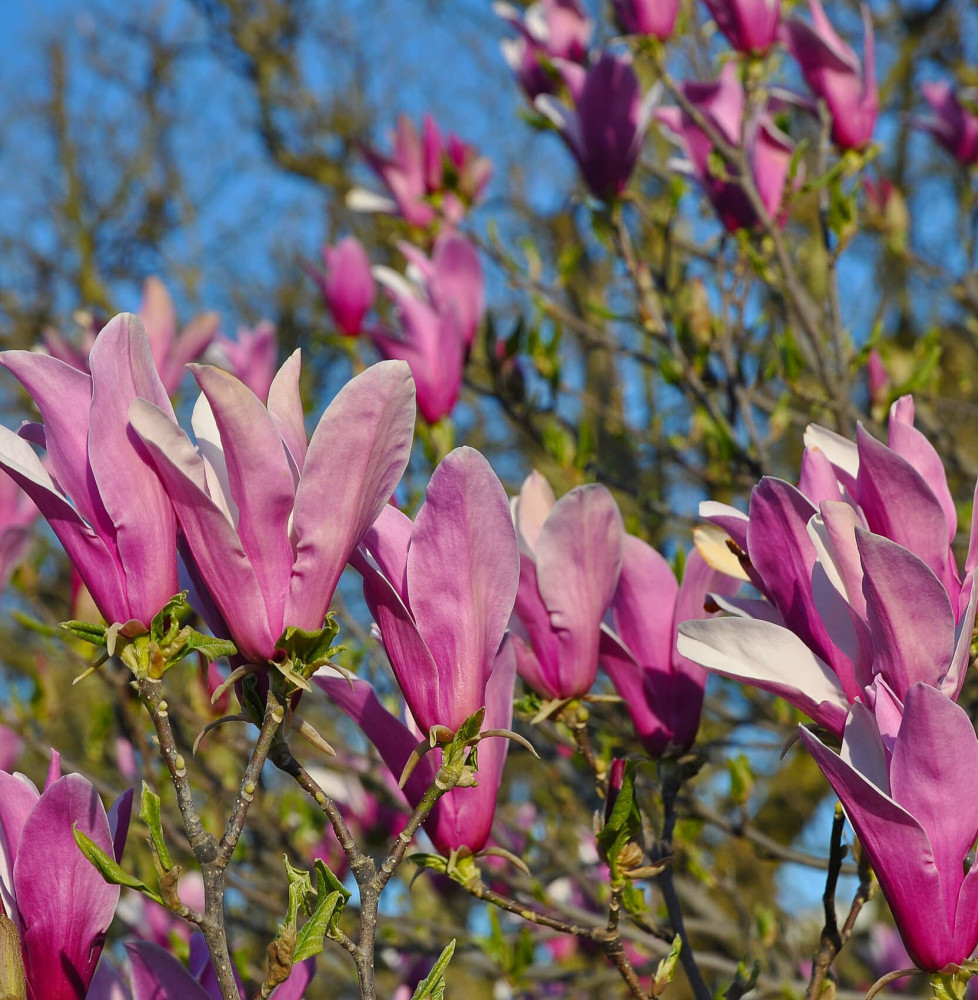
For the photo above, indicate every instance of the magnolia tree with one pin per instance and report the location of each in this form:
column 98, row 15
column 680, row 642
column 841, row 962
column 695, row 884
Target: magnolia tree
column 406, row 694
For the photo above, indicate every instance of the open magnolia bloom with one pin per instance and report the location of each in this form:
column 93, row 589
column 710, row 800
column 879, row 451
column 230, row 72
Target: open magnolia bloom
column 270, row 518
column 55, row 907
column 906, row 781
column 98, row 489
column 861, row 591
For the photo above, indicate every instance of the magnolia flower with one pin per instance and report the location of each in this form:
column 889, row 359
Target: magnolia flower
column 607, row 125
column 269, row 518
column 662, row 690
column 833, row 73
column 17, row 516
column 158, row 315
column 439, row 312
column 347, row 285
column 548, row 30
column 907, row 785
column 647, row 17
column 570, row 558
column 251, row 357
column 54, row 903
column 749, row 25
column 722, row 103
column 862, row 591
column 441, row 591
column 428, row 177
column 101, row 497
column 952, row 124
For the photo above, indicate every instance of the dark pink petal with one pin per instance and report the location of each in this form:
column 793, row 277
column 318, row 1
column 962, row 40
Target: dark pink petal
column 261, row 483
column 18, row 796
column 145, row 526
column 902, row 858
column 578, row 559
column 217, row 551
column 348, row 286
column 910, row 444
column 783, row 555
column 119, row 815
column 95, row 561
column 63, row 395
column 932, row 773
column 456, row 282
column 393, row 740
column 644, row 603
column 386, row 543
column 462, row 575
column 157, row 975
column 355, row 459
column 908, row 613
column 817, row 480
column 65, row 905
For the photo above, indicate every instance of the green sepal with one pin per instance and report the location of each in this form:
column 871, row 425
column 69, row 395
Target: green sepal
column 109, row 868
column 433, row 985
column 459, row 868
column 149, row 813
column 624, row 824
column 86, row 631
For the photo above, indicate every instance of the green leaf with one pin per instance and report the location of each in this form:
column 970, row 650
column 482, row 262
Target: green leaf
column 300, row 889
column 312, row 648
column 208, row 646
column 433, row 986
column 149, row 813
column 435, row 862
column 309, row 941
column 624, row 823
column 109, row 868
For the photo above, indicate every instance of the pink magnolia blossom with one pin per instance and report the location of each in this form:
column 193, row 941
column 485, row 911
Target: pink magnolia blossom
column 270, row 518
column 441, row 590
column 347, row 285
column 51, row 896
column 118, row 526
column 952, row 124
column 251, row 357
column 17, row 516
column 906, row 783
column 439, row 313
column 863, row 597
column 749, row 25
column 834, row 74
column 428, row 177
column 570, row 559
column 722, row 103
column 171, row 352
column 662, row 690
column 656, row 18
column 548, row 30
column 606, row 127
